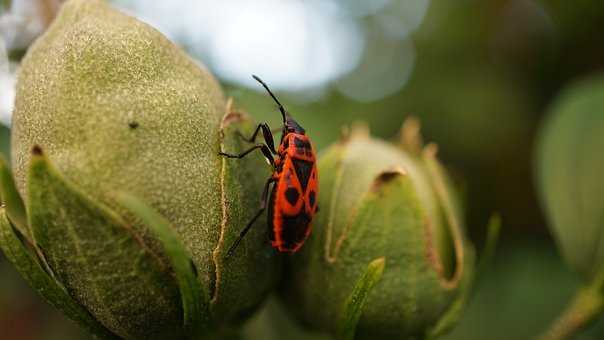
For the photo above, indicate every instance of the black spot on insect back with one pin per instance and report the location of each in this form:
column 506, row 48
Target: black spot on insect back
column 311, row 198
column 303, row 169
column 292, row 195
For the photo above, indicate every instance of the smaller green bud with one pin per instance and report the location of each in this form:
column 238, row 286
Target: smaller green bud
column 388, row 256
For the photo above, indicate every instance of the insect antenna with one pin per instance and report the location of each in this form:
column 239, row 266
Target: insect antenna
column 281, row 108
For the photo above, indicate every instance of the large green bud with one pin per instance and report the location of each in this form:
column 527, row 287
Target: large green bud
column 388, row 257
column 120, row 190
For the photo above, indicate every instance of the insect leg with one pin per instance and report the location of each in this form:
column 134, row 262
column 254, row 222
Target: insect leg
column 251, row 222
column 252, row 139
column 266, row 132
column 265, row 151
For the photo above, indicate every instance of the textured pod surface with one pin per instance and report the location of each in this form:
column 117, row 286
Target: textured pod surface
column 570, row 164
column 81, row 86
column 117, row 107
column 378, row 201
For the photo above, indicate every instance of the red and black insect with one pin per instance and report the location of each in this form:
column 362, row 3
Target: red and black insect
column 293, row 199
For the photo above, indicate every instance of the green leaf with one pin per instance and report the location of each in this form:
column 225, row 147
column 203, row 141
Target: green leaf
column 15, row 209
column 45, row 285
column 353, row 307
column 101, row 262
column 490, row 245
column 195, row 299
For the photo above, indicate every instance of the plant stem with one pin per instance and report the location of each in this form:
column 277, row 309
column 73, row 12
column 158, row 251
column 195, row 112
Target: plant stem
column 586, row 305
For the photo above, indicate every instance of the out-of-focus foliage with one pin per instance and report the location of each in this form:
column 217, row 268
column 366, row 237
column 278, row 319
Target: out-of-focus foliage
column 519, row 295
column 569, row 167
column 569, row 170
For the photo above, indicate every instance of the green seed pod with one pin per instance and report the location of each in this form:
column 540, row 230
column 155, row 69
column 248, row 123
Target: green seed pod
column 569, row 173
column 129, row 206
column 388, row 257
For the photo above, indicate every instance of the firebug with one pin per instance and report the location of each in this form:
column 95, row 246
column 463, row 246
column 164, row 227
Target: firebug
column 292, row 202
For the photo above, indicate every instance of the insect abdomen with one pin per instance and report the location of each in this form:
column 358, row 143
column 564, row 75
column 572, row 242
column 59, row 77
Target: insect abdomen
column 288, row 228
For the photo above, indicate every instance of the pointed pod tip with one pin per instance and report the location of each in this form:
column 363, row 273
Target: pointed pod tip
column 232, row 115
column 412, row 123
column 431, row 150
column 378, row 264
column 230, row 105
column 358, row 130
column 344, row 134
column 410, row 135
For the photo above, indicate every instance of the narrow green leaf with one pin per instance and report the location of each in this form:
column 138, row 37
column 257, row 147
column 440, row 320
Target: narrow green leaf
column 353, row 306
column 195, row 299
column 15, row 209
column 99, row 259
column 45, row 285
column 488, row 251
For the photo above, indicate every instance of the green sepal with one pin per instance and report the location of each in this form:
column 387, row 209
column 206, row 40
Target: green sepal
column 353, row 306
column 451, row 317
column 454, row 312
column 99, row 259
column 31, row 270
column 195, row 299
column 14, row 207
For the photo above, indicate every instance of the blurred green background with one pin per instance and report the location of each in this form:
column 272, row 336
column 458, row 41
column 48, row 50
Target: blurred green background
column 479, row 74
